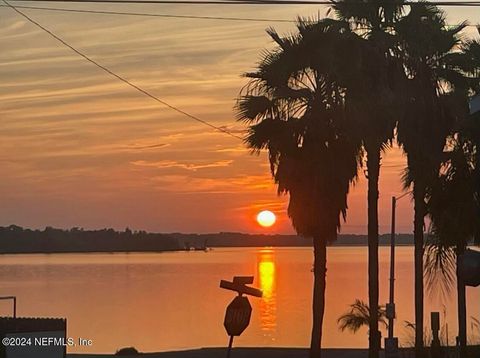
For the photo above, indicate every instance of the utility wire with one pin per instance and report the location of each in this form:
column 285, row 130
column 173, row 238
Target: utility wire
column 171, row 2
column 152, row 15
column 261, row 2
column 197, row 17
column 110, row 72
column 361, row 2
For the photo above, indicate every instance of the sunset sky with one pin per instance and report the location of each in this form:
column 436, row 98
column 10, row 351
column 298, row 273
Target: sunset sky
column 80, row 148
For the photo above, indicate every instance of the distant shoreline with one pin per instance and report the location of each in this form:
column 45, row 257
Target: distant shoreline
column 176, row 251
column 17, row 240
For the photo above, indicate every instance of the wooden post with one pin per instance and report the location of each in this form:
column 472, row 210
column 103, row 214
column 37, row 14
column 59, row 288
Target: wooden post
column 435, row 325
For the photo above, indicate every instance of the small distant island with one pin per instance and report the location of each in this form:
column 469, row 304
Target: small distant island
column 15, row 240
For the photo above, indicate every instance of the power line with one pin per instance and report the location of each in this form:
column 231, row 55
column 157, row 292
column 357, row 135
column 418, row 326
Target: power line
column 170, row 2
column 359, row 2
column 145, row 92
column 110, row 72
column 152, row 15
column 197, row 17
column 259, row 2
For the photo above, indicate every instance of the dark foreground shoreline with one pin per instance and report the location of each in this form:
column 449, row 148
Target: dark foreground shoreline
column 474, row 352
column 239, row 353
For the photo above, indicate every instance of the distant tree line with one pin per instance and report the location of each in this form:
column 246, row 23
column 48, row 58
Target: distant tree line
column 15, row 239
column 236, row 239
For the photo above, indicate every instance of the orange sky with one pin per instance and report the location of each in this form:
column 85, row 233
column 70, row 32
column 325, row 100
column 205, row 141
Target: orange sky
column 79, row 148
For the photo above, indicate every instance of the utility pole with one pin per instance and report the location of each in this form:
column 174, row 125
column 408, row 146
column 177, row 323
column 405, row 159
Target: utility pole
column 391, row 303
column 391, row 342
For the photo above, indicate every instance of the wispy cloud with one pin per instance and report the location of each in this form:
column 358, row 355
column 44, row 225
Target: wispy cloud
column 238, row 149
column 243, row 185
column 87, row 141
column 147, row 146
column 188, row 166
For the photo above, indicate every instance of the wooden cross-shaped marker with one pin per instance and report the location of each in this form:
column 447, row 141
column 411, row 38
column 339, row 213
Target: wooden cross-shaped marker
column 239, row 284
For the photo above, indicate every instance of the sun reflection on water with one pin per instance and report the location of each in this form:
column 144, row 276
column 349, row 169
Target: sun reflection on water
column 268, row 304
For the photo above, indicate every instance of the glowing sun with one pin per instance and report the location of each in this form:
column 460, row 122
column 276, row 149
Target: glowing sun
column 266, row 218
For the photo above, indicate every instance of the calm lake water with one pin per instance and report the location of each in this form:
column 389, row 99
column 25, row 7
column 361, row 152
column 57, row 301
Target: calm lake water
column 168, row 301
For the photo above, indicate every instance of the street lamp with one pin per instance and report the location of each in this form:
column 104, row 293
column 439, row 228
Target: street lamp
column 391, row 342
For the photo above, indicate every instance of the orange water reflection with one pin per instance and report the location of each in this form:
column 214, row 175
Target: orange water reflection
column 182, row 306
column 267, row 280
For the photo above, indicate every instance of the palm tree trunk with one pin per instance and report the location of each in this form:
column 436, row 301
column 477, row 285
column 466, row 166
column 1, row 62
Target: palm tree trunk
column 462, row 309
column 319, row 284
column 418, row 224
column 373, row 167
column 477, row 180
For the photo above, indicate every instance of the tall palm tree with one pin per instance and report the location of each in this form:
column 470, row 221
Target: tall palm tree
column 294, row 104
column 454, row 204
column 374, row 105
column 435, row 103
column 424, row 129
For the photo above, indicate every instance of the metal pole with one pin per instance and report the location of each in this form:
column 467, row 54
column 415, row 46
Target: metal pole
column 230, row 344
column 392, row 271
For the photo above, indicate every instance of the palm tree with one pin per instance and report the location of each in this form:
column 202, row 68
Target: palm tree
column 454, row 199
column 359, row 316
column 453, row 207
column 435, row 103
column 294, row 104
column 433, row 72
column 373, row 103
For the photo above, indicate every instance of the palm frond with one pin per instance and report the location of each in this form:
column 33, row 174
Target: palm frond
column 252, row 108
column 439, row 269
column 359, row 316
